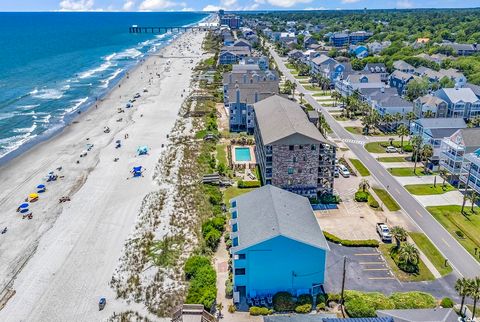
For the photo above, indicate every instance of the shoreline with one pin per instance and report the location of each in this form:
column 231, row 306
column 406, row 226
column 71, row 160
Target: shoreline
column 87, row 106
column 54, row 241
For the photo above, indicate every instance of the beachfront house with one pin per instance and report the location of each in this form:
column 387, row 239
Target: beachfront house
column 308, row 41
column 358, row 51
column 377, row 68
column 232, row 54
column 261, row 62
column 430, row 104
column 462, row 102
column 341, row 39
column 242, row 87
column 327, row 67
column 433, row 130
column 463, row 49
column 456, row 146
column 242, row 43
column 291, row 152
column 277, row 245
column 358, row 81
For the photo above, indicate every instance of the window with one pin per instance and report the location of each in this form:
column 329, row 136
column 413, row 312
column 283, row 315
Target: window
column 304, row 157
column 239, row 271
column 313, row 147
column 291, row 147
column 294, row 159
column 299, row 170
column 241, row 256
column 234, row 227
column 290, row 170
column 300, row 147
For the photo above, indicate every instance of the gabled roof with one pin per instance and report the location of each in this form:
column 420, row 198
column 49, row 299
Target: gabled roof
column 471, row 138
column 475, row 88
column 322, row 59
column 456, row 95
column 401, row 65
column 282, row 121
column 372, row 78
column 398, row 74
column 269, row 212
column 420, row 315
column 430, row 100
column 441, row 123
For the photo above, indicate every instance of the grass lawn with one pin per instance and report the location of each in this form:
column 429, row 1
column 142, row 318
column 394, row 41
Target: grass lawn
column 408, row 172
column 289, row 66
column 222, row 154
column 387, row 200
column 392, row 159
column 321, row 94
column 423, row 273
column 340, row 118
column 312, row 88
column 232, row 192
column 376, row 147
column 360, row 167
column 431, row 252
column 325, row 100
column 354, row 129
column 468, row 225
column 302, row 77
column 428, row 189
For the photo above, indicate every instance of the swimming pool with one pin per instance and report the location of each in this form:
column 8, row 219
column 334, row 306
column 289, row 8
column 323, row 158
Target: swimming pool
column 242, row 154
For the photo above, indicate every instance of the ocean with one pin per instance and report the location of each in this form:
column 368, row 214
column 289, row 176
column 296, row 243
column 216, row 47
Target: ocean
column 53, row 65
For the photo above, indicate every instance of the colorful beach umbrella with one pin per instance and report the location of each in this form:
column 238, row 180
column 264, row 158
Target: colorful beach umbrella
column 33, row 196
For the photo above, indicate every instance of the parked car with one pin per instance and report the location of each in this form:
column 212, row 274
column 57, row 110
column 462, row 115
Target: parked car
column 384, row 232
column 336, row 173
column 391, row 149
column 343, row 171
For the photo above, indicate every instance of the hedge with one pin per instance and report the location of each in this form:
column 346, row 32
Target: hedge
column 283, row 301
column 305, row 308
column 248, row 184
column 212, row 230
column 447, row 303
column 193, row 264
column 413, row 300
column 372, row 202
column 320, row 306
column 256, row 310
column 361, row 196
column 202, row 275
column 351, row 243
column 358, row 304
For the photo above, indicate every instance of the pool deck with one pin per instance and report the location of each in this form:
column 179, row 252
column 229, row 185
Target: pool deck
column 252, row 155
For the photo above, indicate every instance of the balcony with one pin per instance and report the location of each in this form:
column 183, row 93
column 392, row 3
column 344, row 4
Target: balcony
column 453, row 157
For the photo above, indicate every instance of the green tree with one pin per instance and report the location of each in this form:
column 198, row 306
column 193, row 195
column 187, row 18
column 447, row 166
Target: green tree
column 364, row 185
column 400, row 235
column 410, row 116
column 417, row 88
column 416, row 143
column 402, row 131
column 474, row 293
column 443, row 173
column 462, row 288
column 427, row 153
column 446, row 82
column 473, row 198
column 408, row 257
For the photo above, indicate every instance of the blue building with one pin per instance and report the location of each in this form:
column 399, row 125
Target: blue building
column 399, row 80
column 341, row 39
column 277, row 244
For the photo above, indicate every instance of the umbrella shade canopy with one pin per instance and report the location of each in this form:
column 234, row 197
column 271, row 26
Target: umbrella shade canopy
column 41, row 186
column 24, row 206
column 24, row 210
column 137, row 169
column 33, row 196
column 142, row 150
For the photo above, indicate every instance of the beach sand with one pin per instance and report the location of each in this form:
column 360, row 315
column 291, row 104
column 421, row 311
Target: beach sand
column 68, row 252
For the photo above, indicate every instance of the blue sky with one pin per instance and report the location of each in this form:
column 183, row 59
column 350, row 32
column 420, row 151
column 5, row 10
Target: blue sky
column 198, row 5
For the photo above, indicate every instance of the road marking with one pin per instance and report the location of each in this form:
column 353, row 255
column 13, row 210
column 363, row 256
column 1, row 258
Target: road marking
column 372, row 263
column 418, row 213
column 398, row 191
column 443, row 239
column 381, row 278
column 353, row 141
column 366, row 254
column 376, row 269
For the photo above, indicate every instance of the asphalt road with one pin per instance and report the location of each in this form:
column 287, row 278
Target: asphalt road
column 451, row 249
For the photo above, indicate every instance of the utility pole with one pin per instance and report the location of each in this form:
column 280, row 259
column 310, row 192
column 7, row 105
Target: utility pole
column 343, row 283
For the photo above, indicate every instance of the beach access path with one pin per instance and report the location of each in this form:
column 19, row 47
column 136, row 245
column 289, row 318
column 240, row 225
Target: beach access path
column 70, row 250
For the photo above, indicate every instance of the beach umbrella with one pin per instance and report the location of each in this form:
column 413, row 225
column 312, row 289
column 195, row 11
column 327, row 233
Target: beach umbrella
column 141, row 150
column 23, row 207
column 33, row 196
column 41, row 188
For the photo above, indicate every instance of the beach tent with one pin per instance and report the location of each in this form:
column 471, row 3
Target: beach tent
column 41, row 188
column 137, row 171
column 33, row 196
column 51, row 176
column 23, row 208
column 142, row 150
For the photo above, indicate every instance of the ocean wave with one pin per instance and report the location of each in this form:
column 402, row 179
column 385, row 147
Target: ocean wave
column 93, row 71
column 47, row 93
column 128, row 54
column 4, row 116
column 26, row 129
column 45, row 120
column 27, row 107
column 77, row 104
column 12, row 143
column 110, row 57
column 106, row 82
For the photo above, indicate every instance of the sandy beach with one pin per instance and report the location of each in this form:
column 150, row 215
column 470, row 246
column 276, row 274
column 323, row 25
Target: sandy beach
column 61, row 261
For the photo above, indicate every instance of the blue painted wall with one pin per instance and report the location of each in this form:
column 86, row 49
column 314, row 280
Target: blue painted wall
column 280, row 264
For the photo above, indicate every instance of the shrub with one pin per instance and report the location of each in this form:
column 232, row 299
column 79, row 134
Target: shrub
column 321, row 306
column 202, row 289
column 408, row 148
column 248, row 184
column 305, row 308
column 213, row 238
column 360, row 304
column 214, row 194
column 328, row 199
column 321, row 298
column 361, row 196
column 228, row 289
column 447, row 303
column 304, row 299
column 256, row 310
column 232, row 308
column 333, row 297
column 413, row 300
column 283, row 301
column 372, row 202
column 351, row 243
column 194, row 263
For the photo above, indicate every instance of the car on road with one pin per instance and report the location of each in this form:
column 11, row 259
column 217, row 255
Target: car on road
column 391, row 149
column 384, row 232
column 336, row 173
column 343, row 171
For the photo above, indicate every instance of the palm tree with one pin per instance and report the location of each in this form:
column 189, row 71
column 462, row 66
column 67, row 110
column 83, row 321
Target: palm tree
column 401, row 132
column 443, row 174
column 416, row 143
column 473, row 197
column 294, row 87
column 427, row 152
column 410, row 116
column 408, row 256
column 428, row 114
column 301, row 97
column 387, row 120
column 399, row 233
column 474, row 293
column 462, row 287
column 364, row 185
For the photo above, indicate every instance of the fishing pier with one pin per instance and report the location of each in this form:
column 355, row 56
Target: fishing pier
column 159, row 30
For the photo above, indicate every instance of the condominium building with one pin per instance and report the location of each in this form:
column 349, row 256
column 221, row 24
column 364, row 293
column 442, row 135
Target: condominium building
column 455, row 147
column 290, row 150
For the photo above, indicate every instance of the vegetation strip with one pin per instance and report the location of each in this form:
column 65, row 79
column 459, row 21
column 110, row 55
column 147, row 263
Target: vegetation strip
column 432, row 253
column 387, row 200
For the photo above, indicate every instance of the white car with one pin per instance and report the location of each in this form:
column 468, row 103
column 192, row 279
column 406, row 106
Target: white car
column 343, row 171
column 391, row 149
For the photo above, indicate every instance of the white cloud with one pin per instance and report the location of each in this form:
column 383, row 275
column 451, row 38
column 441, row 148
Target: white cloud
column 286, row 3
column 312, row 8
column 404, row 4
column 76, row 5
column 228, row 3
column 211, row 7
column 147, row 5
column 350, row 1
column 128, row 5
